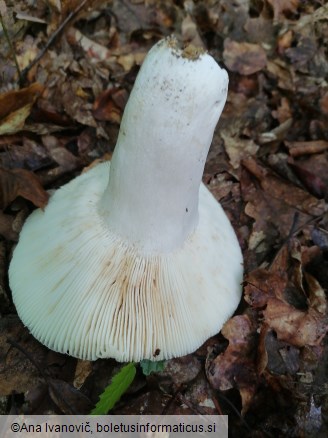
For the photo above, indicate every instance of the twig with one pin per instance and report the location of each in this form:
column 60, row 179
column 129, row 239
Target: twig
column 52, row 38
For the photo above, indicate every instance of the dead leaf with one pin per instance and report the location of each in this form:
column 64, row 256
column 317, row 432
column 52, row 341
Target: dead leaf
column 15, row 107
column 238, row 148
column 21, row 182
column 317, row 297
column 261, row 285
column 282, row 358
column 26, row 51
column 281, row 190
column 312, row 172
column 285, row 41
column 260, row 29
column 181, row 370
column 303, row 52
column 283, row 112
column 82, row 371
column 244, row 58
column 295, row 326
column 262, row 354
column 281, row 6
column 96, row 52
column 235, row 367
column 190, row 34
column 110, row 104
column 63, row 157
column 68, row 399
column 17, row 372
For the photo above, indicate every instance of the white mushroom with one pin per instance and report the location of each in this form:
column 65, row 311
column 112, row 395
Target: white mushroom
column 136, row 259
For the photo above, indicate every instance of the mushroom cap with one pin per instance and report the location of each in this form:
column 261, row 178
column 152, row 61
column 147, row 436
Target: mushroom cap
column 83, row 291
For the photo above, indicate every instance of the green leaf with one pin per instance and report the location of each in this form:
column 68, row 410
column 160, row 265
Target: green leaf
column 120, row 383
column 149, row 366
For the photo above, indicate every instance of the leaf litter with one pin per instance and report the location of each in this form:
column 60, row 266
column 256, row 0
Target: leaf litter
column 267, row 166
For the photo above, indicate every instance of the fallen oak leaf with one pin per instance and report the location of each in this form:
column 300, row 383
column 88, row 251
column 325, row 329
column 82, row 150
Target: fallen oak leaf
column 15, row 107
column 21, row 182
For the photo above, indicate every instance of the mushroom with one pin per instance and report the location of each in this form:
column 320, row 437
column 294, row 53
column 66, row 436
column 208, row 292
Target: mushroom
column 135, row 259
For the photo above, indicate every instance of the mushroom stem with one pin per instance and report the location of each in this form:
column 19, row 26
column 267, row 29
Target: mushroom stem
column 167, row 128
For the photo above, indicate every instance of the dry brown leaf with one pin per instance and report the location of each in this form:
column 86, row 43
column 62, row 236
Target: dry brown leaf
column 317, row 297
column 62, row 156
column 68, row 399
column 281, row 6
column 312, row 172
column 303, row 52
column 282, row 73
column 244, row 58
column 110, row 104
column 285, row 41
column 238, row 148
column 261, row 285
column 190, row 34
column 181, row 370
column 15, row 107
column 96, row 52
column 260, row 29
column 82, row 371
column 235, row 367
column 281, row 190
column 21, row 182
column 18, row 373
column 275, row 355
column 26, row 51
column 295, row 326
column 283, row 112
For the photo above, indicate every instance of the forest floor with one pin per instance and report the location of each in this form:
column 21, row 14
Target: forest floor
column 67, row 68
